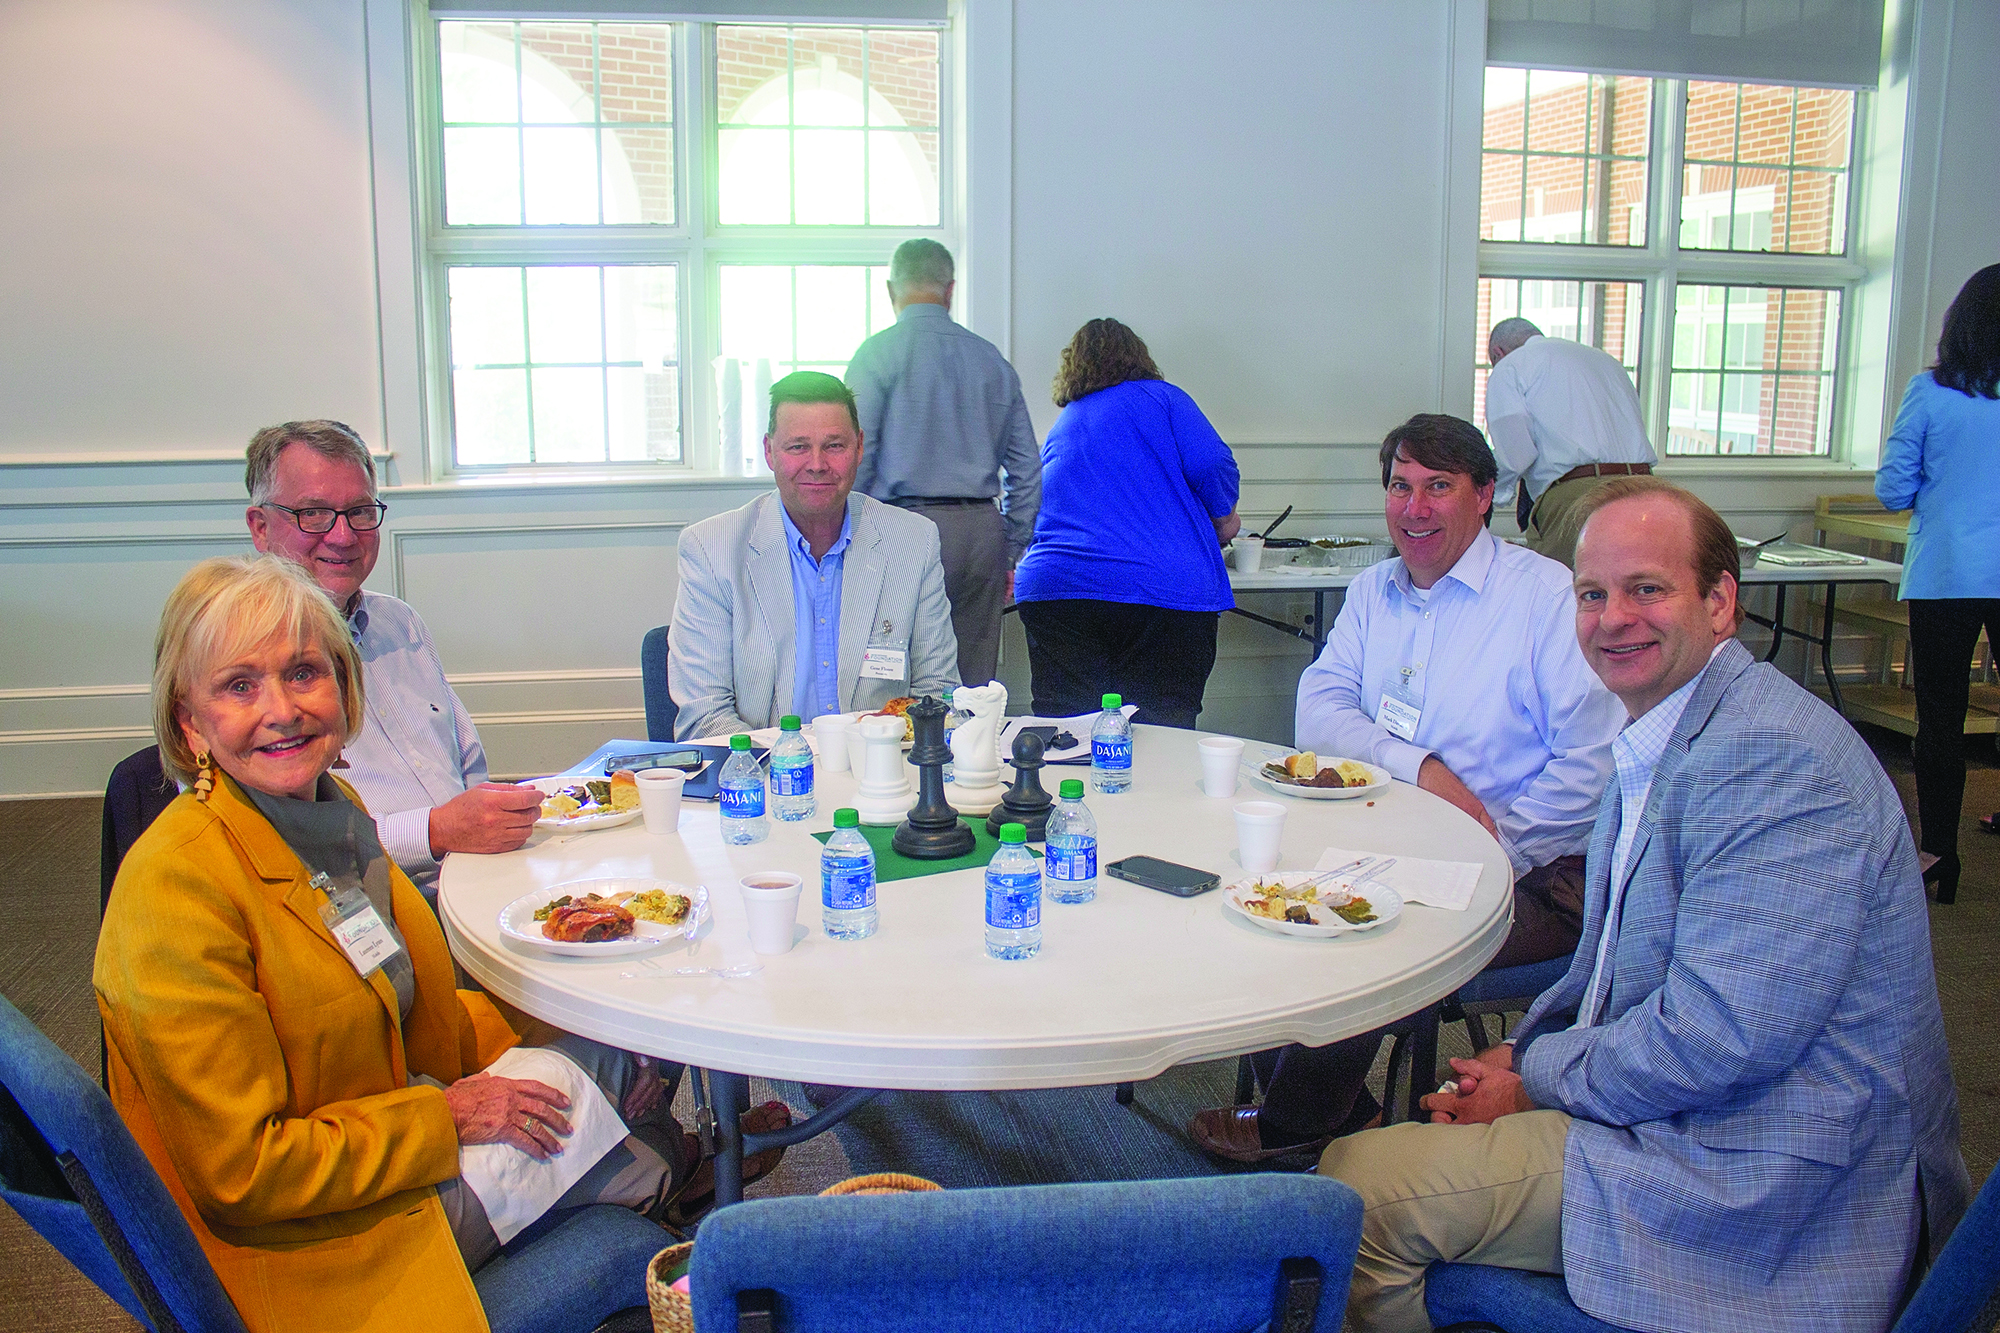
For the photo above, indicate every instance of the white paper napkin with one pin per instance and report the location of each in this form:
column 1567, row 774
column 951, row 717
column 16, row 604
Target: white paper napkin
column 513, row 1187
column 1446, row 884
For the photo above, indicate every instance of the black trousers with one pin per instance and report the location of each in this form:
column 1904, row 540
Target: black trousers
column 1943, row 632
column 1080, row 650
column 1313, row 1091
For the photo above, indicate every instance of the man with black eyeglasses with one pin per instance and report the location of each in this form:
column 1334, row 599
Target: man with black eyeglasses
column 417, row 763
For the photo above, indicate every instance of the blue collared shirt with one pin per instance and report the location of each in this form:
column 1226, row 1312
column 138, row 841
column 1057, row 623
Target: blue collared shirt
column 417, row 748
column 1507, row 702
column 816, row 619
column 1636, row 753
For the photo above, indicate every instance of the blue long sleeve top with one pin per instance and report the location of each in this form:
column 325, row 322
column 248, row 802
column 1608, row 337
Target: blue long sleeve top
column 1132, row 478
column 1943, row 461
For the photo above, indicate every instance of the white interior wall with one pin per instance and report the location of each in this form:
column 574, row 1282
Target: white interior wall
column 189, row 255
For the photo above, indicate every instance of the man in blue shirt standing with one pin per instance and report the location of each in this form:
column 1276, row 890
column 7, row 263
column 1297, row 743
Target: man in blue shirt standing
column 947, row 427
column 814, row 599
column 1456, row 668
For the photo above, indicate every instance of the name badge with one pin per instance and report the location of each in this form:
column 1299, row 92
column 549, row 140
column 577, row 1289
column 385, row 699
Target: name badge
column 884, row 663
column 356, row 926
column 1399, row 717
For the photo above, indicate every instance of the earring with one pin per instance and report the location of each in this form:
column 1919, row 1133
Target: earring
column 204, row 779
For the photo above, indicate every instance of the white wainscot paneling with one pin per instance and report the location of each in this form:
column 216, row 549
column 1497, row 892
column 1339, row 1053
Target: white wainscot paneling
column 539, row 628
column 76, row 655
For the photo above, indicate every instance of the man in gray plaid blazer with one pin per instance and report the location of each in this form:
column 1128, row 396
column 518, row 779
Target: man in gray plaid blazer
column 1736, row 1110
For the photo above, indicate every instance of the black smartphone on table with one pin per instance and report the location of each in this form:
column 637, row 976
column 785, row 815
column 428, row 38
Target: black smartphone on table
column 1179, row 880
column 686, row 759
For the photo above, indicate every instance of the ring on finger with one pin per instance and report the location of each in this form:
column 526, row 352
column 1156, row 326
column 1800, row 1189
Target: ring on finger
column 527, row 1124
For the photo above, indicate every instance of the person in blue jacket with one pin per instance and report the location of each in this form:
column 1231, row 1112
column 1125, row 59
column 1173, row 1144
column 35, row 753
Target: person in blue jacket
column 1943, row 462
column 1123, row 585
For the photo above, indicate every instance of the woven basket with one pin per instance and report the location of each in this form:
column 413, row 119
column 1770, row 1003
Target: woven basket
column 672, row 1311
column 882, row 1182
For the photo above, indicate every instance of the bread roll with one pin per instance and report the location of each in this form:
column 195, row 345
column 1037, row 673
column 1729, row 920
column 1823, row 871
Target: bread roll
column 1302, row 767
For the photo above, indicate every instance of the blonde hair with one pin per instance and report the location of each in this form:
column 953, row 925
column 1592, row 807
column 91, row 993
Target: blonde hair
column 228, row 604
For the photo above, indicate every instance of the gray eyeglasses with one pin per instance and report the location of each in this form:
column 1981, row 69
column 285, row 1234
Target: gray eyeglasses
column 361, row 518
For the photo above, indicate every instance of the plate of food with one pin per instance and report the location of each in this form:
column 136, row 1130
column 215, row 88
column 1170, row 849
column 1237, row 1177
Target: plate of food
column 896, row 708
column 594, row 918
column 1318, row 907
column 575, row 804
column 1308, row 776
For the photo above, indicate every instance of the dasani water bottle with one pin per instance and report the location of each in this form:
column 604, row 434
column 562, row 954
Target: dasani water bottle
column 742, row 784
column 1013, row 898
column 792, row 773
column 1070, row 868
column 847, row 881
column 1111, row 749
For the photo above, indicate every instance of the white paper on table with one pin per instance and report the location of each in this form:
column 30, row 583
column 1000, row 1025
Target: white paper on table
column 513, row 1187
column 1446, row 884
column 1078, row 727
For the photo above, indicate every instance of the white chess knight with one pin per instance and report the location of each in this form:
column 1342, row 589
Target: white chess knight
column 975, row 748
column 885, row 795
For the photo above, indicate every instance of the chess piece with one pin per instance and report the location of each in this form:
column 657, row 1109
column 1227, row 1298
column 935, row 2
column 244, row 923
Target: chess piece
column 975, row 748
column 884, row 796
column 1025, row 803
column 933, row 832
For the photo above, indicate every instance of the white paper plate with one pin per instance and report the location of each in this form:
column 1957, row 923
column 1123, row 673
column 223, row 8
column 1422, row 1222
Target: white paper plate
column 1379, row 782
column 577, row 823
column 517, row 919
column 1388, row 904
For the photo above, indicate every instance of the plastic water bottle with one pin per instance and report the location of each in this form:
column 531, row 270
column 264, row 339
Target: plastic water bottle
column 742, row 784
column 847, row 881
column 1013, row 898
column 1111, row 749
column 1069, row 870
column 792, row 773
column 952, row 719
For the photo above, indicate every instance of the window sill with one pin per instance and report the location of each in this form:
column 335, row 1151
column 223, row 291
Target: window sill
column 569, row 483
column 1710, row 465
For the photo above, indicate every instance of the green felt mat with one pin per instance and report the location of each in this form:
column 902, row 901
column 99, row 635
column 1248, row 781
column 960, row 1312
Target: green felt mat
column 892, row 864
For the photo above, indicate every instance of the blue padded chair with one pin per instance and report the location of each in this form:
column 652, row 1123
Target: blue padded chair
column 1960, row 1294
column 1162, row 1256
column 660, row 708
column 71, row 1170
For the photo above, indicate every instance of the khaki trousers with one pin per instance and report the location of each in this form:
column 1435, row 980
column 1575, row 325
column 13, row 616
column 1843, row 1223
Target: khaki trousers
column 1553, row 527
column 1484, row 1194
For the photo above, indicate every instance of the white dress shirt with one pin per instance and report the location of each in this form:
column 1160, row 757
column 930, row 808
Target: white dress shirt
column 1506, row 700
column 1552, row 405
column 417, row 748
column 1636, row 754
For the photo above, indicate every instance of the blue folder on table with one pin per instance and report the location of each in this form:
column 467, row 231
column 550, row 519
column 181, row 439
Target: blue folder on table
column 702, row 784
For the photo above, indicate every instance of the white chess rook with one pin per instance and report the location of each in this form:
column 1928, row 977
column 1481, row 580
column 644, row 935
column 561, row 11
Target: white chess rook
column 975, row 748
column 885, row 795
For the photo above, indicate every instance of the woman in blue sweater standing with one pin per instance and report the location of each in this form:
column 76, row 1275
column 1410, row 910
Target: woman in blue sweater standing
column 1943, row 461
column 1123, row 584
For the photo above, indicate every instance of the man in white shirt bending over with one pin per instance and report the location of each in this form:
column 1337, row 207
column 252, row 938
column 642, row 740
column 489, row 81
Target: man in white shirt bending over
column 1563, row 418
column 1456, row 668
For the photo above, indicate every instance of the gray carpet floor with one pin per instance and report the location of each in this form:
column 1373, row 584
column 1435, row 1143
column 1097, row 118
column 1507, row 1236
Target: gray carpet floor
column 48, row 882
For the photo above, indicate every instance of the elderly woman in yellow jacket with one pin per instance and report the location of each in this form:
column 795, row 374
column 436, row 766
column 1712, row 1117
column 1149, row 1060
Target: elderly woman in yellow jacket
column 282, row 1031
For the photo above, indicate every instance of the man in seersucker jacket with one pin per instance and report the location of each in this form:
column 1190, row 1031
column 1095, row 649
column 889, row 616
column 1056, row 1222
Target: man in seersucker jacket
column 1736, row 1110
column 812, row 599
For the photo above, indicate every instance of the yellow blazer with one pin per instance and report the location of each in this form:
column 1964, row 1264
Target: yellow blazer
column 269, row 1084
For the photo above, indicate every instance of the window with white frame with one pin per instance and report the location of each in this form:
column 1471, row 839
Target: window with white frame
column 634, row 228
column 1697, row 231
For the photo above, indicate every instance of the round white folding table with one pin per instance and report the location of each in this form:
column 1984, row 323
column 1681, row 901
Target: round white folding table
column 1123, row 988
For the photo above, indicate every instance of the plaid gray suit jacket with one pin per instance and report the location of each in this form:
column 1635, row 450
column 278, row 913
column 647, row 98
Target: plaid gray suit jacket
column 1770, row 1085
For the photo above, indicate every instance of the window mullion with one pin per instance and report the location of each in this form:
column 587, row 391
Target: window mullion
column 1664, row 234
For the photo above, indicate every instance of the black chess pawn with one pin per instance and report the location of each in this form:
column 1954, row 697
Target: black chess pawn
column 933, row 831
column 1025, row 803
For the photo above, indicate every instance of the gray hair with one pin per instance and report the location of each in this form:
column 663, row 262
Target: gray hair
column 1509, row 334
column 329, row 439
column 923, row 264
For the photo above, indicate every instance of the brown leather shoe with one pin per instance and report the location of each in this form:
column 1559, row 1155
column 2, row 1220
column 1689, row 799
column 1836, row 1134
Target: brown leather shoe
column 1231, row 1132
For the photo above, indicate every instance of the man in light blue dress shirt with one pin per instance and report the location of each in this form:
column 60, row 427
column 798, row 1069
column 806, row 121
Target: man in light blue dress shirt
column 1455, row 667
column 1736, row 1108
column 417, row 763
